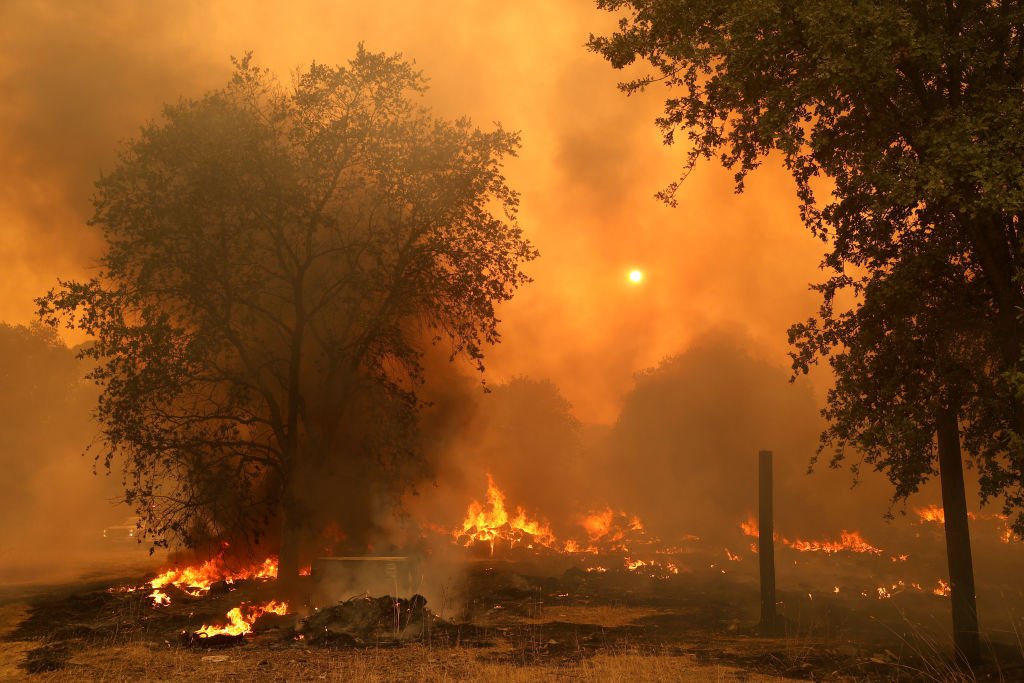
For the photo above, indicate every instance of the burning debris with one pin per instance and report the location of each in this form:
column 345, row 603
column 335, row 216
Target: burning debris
column 493, row 524
column 241, row 619
column 606, row 532
column 198, row 579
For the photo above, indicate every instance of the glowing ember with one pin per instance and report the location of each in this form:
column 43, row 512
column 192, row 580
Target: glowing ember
column 240, row 623
column 490, row 524
column 732, row 556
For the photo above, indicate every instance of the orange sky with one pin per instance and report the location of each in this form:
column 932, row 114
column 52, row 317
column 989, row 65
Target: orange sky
column 79, row 77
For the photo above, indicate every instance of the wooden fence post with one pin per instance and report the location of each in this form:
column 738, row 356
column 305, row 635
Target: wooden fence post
column 766, row 542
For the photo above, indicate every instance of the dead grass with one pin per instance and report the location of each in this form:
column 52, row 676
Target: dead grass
column 142, row 662
column 604, row 615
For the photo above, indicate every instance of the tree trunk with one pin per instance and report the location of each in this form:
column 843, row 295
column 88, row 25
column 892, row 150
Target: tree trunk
column 958, row 538
column 288, row 560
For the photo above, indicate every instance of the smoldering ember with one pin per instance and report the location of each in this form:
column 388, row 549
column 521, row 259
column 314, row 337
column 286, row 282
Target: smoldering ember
column 601, row 340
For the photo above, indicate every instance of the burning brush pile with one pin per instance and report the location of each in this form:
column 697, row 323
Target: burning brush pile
column 200, row 588
column 607, row 538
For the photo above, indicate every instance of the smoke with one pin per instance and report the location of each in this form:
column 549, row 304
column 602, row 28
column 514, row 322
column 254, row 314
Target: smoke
column 79, row 78
column 676, row 444
column 53, row 511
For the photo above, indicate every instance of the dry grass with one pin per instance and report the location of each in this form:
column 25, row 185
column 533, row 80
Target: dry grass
column 141, row 662
column 147, row 661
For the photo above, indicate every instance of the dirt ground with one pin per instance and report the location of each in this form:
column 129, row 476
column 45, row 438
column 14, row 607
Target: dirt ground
column 513, row 625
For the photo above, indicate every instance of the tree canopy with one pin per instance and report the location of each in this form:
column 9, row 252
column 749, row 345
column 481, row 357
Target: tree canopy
column 901, row 124
column 276, row 258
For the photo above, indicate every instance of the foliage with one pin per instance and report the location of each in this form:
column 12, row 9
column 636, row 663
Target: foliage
column 276, row 258
column 910, row 114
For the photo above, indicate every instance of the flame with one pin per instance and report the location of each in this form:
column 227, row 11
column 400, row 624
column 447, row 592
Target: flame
column 931, row 513
column 749, row 527
column 493, row 523
column 599, row 524
column 240, row 623
column 941, row 589
column 197, row 579
column 850, row 541
column 733, row 557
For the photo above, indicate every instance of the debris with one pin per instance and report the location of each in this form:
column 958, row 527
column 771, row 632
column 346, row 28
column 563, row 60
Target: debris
column 365, row 619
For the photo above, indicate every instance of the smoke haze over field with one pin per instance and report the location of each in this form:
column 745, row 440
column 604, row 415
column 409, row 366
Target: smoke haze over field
column 81, row 77
column 724, row 274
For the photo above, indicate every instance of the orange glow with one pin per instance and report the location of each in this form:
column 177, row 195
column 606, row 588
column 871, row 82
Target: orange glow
column 240, row 623
column 492, row 523
column 749, row 527
column 849, row 541
column 197, row 579
column 931, row 513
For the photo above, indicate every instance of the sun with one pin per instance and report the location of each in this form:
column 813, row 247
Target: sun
column 636, row 276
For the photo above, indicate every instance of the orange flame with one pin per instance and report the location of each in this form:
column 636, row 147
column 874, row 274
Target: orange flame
column 197, row 579
column 850, row 541
column 240, row 623
column 931, row 513
column 493, row 523
column 599, row 524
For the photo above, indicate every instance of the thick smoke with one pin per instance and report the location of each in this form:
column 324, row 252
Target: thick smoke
column 79, row 77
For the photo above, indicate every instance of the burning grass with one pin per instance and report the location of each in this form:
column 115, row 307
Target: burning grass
column 518, row 621
column 534, row 605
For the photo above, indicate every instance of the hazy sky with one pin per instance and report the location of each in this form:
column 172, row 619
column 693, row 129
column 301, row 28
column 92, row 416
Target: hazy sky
column 78, row 77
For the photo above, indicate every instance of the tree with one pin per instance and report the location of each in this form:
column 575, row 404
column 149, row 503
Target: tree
column 912, row 111
column 276, row 258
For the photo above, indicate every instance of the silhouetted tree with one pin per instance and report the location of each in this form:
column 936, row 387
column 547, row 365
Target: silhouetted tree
column 913, row 111
column 274, row 257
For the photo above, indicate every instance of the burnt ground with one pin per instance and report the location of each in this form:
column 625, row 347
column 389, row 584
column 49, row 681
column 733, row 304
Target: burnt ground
column 513, row 622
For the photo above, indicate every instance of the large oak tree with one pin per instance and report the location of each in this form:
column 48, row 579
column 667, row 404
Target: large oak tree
column 276, row 258
column 911, row 110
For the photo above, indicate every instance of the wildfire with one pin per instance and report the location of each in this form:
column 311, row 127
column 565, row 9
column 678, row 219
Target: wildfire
column 605, row 529
column 599, row 524
column 197, row 579
column 240, row 622
column 941, row 589
column 931, row 513
column 749, row 527
column 849, row 541
column 492, row 523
